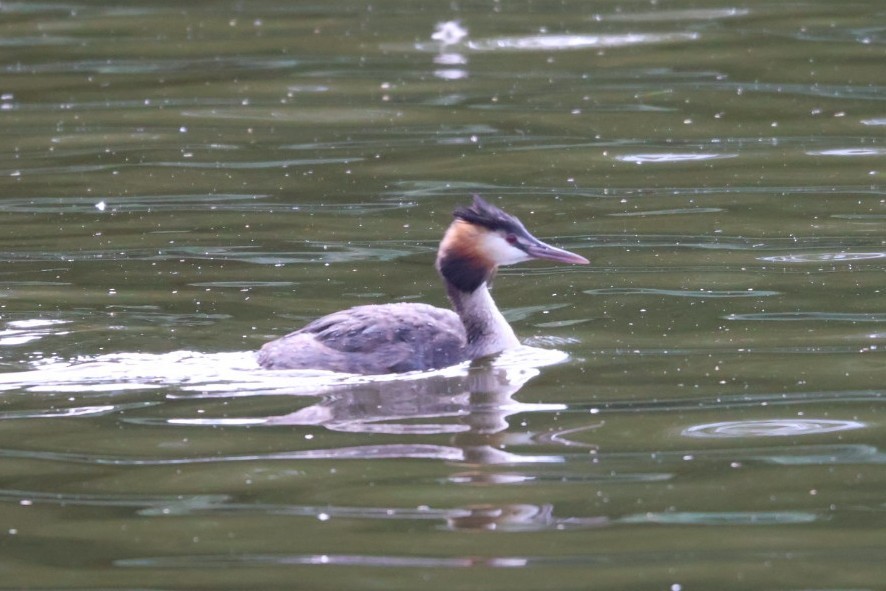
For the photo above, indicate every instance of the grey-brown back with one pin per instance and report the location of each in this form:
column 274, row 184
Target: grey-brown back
column 374, row 339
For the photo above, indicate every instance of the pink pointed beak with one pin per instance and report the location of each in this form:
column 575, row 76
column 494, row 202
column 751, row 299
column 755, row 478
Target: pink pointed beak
column 539, row 250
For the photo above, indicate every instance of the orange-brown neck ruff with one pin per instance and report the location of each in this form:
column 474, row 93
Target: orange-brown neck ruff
column 460, row 260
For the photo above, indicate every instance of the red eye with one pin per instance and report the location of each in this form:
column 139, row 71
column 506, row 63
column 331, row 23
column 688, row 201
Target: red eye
column 511, row 238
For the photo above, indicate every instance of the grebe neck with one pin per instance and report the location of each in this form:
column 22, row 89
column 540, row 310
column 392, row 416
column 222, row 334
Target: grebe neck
column 487, row 330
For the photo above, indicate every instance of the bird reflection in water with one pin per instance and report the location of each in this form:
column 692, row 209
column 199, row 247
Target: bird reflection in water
column 474, row 410
column 517, row 517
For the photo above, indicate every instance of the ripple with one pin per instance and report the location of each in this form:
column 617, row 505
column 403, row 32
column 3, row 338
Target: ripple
column 35, row 323
column 185, row 164
column 677, row 211
column 723, row 518
column 805, row 316
column 683, row 293
column 231, row 202
column 770, row 428
column 257, row 165
column 567, row 42
column 38, row 41
column 564, row 42
column 657, row 158
column 328, row 115
column 243, row 285
column 155, row 65
column 74, row 411
column 186, row 561
column 730, row 402
column 147, row 505
column 20, row 332
column 819, row 257
column 680, row 16
column 559, row 324
column 822, row 455
column 848, row 152
column 391, row 451
column 859, row 216
column 310, row 254
column 862, row 35
column 840, row 91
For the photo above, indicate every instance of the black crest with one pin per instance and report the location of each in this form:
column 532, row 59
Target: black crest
column 483, row 214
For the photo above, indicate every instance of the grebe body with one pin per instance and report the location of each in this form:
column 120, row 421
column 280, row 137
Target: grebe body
column 401, row 337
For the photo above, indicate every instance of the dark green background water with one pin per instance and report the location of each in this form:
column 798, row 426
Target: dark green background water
column 180, row 182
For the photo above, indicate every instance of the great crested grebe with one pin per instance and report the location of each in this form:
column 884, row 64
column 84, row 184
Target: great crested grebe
column 393, row 338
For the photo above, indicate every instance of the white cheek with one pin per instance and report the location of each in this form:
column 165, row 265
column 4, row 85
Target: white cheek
column 498, row 249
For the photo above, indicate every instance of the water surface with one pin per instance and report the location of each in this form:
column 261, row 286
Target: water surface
column 699, row 408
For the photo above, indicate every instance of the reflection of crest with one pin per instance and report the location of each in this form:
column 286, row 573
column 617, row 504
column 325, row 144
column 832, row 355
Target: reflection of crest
column 449, row 35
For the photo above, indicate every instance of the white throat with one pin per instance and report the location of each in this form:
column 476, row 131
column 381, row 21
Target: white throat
column 487, row 330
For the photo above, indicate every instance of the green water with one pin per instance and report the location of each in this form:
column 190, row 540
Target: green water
column 701, row 407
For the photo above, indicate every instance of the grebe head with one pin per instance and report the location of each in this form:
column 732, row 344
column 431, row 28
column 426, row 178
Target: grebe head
column 482, row 237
